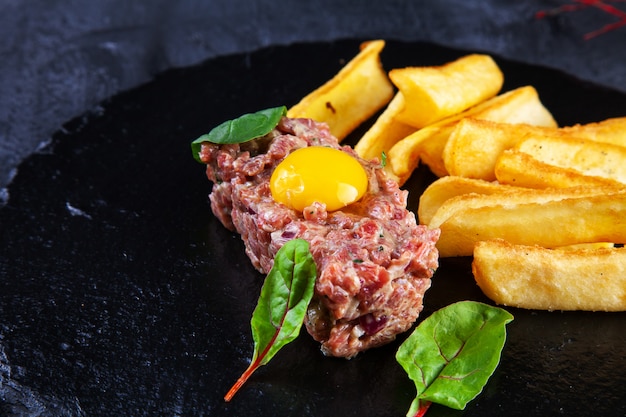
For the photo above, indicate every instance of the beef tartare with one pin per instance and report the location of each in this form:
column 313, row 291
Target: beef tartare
column 374, row 262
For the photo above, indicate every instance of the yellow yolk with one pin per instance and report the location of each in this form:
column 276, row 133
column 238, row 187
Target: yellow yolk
column 318, row 174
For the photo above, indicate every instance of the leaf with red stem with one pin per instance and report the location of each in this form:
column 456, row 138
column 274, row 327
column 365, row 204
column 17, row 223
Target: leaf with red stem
column 282, row 305
column 451, row 354
column 423, row 408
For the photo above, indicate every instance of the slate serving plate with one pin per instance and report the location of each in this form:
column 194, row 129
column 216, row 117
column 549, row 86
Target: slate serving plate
column 121, row 294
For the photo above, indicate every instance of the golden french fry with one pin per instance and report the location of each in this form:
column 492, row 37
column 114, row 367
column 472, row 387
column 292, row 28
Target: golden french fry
column 521, row 105
column 587, row 246
column 475, row 145
column 512, row 197
column 533, row 277
column 548, row 217
column 353, row 95
column 447, row 187
column 523, row 170
column 385, row 131
column 405, row 155
column 611, row 130
column 587, row 157
column 434, row 93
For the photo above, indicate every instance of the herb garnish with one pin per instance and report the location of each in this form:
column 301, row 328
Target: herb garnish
column 242, row 129
column 451, row 354
column 282, row 305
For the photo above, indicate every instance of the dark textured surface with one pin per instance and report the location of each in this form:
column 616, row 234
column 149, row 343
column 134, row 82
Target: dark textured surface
column 120, row 294
column 58, row 59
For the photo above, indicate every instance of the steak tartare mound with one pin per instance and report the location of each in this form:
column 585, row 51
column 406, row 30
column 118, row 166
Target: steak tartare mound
column 374, row 262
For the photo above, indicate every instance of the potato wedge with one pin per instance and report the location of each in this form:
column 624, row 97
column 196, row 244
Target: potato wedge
column 447, row 187
column 587, row 246
column 353, row 95
column 533, row 277
column 521, row 105
column 523, row 170
column 434, row 93
column 611, row 130
column 588, row 157
column 385, row 132
column 475, row 145
column 512, row 197
column 549, row 218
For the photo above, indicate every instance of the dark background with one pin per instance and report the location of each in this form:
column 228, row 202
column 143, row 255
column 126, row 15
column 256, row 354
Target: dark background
column 58, row 59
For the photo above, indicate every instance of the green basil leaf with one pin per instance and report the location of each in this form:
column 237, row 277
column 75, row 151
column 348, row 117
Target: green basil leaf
column 242, row 129
column 282, row 305
column 451, row 354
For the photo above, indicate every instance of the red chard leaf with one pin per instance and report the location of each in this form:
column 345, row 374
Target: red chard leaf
column 282, row 305
column 451, row 354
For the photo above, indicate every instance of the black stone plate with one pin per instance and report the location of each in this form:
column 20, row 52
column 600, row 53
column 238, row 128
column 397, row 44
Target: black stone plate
column 122, row 295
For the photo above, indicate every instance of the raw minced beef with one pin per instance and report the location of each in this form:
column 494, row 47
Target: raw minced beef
column 374, row 262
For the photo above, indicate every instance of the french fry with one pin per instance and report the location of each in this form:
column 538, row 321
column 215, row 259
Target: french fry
column 353, row 95
column 611, row 130
column 444, row 188
column 548, row 217
column 385, row 131
column 588, row 157
column 511, row 197
column 475, row 145
column 434, row 93
column 521, row 105
column 523, row 170
column 533, row 277
column 587, row 246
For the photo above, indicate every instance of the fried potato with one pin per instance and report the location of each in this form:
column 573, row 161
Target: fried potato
column 523, row 170
column 447, row 187
column 434, row 93
column 521, row 105
column 475, row 145
column 587, row 246
column 611, row 130
column 353, row 95
column 533, row 277
column 385, row 131
column 511, row 197
column 548, row 217
column 588, row 157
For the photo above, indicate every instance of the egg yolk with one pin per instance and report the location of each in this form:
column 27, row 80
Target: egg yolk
column 318, row 174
